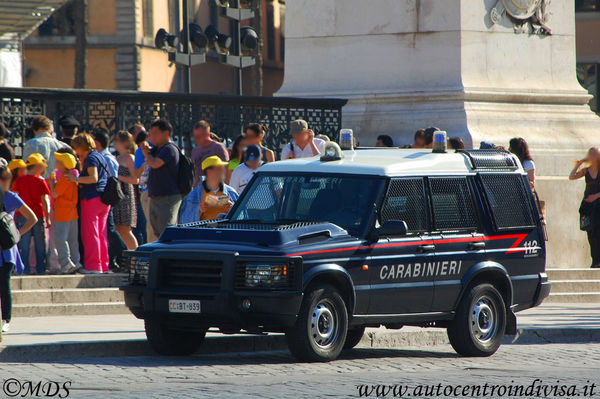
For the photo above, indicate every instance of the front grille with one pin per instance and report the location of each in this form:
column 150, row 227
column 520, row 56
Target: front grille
column 201, row 274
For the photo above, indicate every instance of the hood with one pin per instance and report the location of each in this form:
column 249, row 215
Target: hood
column 265, row 235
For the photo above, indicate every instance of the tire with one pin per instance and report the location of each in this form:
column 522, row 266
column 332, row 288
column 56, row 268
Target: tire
column 480, row 322
column 169, row 342
column 353, row 337
column 320, row 330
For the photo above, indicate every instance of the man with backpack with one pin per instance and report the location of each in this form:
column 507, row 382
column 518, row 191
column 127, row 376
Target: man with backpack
column 304, row 143
column 169, row 177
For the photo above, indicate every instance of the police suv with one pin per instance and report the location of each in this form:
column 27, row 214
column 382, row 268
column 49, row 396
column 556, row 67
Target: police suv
column 320, row 248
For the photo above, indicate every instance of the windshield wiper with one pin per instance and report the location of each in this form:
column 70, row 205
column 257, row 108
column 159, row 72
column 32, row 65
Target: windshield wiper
column 247, row 221
column 289, row 221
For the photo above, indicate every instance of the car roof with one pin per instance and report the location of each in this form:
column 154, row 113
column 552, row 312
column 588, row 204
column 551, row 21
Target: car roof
column 383, row 162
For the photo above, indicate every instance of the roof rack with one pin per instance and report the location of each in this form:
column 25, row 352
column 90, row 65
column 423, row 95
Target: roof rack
column 491, row 159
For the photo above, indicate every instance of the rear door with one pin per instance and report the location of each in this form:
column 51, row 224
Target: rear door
column 459, row 242
column 399, row 282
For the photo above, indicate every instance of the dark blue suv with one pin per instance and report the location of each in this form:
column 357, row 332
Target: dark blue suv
column 321, row 248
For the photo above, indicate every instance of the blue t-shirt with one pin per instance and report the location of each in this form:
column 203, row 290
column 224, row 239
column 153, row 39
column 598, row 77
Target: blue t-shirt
column 138, row 162
column 12, row 202
column 163, row 181
column 94, row 160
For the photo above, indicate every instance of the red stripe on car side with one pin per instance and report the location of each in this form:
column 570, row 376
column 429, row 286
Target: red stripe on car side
column 514, row 248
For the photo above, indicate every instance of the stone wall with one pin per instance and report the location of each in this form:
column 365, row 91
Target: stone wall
column 406, row 64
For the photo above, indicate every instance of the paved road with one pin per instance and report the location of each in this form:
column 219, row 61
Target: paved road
column 276, row 375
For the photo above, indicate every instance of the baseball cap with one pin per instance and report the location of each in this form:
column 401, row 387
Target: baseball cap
column 66, row 159
column 213, row 161
column 298, row 126
column 68, row 121
column 486, row 145
column 16, row 164
column 253, row 153
column 36, row 159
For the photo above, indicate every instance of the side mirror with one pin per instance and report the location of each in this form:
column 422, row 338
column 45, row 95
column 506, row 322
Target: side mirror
column 392, row 228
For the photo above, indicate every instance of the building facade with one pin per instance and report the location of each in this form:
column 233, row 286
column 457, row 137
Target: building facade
column 121, row 54
column 587, row 14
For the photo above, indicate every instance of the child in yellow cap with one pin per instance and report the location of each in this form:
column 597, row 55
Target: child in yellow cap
column 64, row 192
column 34, row 191
column 18, row 168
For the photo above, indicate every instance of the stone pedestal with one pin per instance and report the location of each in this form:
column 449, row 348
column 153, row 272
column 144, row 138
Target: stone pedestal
column 406, row 64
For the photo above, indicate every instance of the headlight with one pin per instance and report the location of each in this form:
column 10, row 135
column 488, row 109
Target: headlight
column 264, row 275
column 138, row 271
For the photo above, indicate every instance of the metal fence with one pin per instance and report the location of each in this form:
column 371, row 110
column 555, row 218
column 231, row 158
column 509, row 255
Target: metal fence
column 112, row 111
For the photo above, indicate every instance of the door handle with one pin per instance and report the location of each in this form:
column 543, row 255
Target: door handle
column 476, row 246
column 427, row 248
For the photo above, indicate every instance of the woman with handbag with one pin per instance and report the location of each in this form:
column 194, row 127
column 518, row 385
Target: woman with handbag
column 589, row 168
column 10, row 257
column 94, row 212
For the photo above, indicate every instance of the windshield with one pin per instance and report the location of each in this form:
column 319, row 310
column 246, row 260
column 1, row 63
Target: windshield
column 344, row 201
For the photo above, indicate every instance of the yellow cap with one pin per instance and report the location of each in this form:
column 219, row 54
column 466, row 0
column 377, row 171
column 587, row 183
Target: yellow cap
column 66, row 159
column 213, row 161
column 16, row 164
column 36, row 159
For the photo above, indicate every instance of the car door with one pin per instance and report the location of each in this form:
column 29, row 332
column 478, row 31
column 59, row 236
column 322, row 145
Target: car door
column 459, row 242
column 399, row 280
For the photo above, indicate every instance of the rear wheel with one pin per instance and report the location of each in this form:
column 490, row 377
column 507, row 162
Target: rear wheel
column 170, row 342
column 353, row 337
column 480, row 322
column 320, row 331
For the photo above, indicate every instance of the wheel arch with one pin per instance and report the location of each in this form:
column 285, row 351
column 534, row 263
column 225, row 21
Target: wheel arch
column 490, row 272
column 335, row 275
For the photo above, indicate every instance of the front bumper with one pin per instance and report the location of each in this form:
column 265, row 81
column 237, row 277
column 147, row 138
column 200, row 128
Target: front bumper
column 220, row 307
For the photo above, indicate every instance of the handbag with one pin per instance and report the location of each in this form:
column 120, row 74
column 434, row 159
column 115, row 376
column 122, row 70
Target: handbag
column 113, row 193
column 587, row 214
column 9, row 233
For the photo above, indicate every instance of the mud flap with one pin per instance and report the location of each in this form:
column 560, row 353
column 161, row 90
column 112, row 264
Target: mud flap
column 511, row 323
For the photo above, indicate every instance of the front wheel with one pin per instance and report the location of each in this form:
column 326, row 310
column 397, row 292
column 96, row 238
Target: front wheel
column 170, row 342
column 353, row 337
column 480, row 322
column 320, row 331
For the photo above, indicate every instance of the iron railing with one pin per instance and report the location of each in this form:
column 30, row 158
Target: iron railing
column 116, row 110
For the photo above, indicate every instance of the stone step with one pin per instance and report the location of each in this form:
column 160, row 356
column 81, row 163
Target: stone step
column 68, row 281
column 67, row 295
column 68, row 309
column 575, row 286
column 573, row 274
column 573, row 297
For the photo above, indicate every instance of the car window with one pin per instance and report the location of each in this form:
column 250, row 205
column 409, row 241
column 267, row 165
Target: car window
column 406, row 200
column 509, row 202
column 453, row 204
column 346, row 201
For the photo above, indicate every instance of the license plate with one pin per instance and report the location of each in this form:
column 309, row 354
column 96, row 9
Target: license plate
column 182, row 306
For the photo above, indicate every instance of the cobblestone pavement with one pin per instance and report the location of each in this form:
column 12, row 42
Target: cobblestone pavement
column 277, row 375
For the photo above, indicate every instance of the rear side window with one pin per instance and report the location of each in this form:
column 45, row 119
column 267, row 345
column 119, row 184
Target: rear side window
column 406, row 200
column 509, row 200
column 453, row 205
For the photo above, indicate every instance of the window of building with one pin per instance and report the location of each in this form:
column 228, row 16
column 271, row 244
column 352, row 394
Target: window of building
column 148, row 18
column 406, row 200
column 587, row 74
column 282, row 30
column 60, row 23
column 587, row 5
column 270, row 32
column 453, row 205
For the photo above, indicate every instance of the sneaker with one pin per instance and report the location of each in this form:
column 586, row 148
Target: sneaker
column 68, row 269
column 5, row 326
column 86, row 271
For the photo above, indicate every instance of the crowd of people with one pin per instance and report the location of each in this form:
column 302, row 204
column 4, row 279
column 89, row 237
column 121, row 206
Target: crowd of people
column 56, row 191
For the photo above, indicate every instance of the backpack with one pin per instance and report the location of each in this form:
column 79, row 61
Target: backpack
column 9, row 233
column 185, row 173
column 113, row 193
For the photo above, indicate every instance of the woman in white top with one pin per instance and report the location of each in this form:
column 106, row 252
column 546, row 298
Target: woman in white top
column 519, row 147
